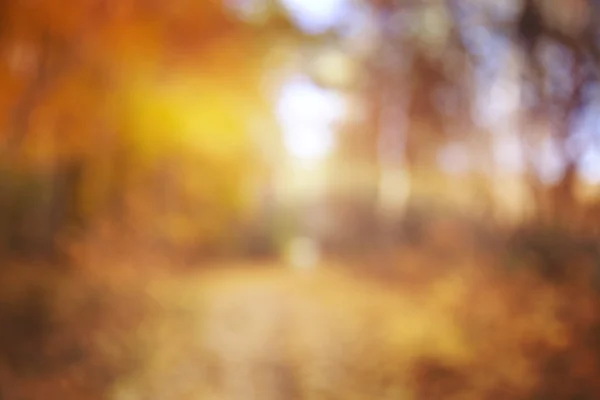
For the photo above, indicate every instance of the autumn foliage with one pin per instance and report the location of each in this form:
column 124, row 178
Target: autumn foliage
column 143, row 162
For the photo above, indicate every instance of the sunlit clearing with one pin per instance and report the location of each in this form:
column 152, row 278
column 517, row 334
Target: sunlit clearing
column 308, row 144
column 315, row 16
column 307, row 114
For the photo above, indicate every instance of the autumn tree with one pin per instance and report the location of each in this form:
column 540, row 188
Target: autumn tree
column 106, row 98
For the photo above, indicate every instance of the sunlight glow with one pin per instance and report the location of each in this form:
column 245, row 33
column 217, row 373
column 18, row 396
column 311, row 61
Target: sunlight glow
column 307, row 113
column 308, row 144
column 315, row 16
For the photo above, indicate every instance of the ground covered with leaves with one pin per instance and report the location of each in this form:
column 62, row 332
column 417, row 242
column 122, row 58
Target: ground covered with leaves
column 443, row 316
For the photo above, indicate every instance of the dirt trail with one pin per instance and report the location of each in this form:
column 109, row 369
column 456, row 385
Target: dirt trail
column 271, row 333
column 278, row 334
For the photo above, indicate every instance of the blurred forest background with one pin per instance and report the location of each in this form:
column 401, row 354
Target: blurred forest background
column 434, row 163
